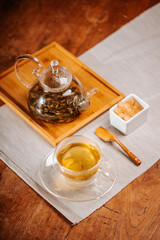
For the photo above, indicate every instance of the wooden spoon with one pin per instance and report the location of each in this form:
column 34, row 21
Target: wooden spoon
column 107, row 136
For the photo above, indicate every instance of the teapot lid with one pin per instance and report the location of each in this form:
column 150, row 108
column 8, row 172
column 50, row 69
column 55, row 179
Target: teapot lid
column 55, row 78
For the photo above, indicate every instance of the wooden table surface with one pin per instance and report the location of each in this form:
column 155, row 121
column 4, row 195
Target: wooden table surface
column 27, row 26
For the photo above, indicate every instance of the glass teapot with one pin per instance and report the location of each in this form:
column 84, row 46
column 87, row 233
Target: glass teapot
column 55, row 95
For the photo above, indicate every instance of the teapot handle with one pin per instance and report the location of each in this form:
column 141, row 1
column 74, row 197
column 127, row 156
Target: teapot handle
column 19, row 75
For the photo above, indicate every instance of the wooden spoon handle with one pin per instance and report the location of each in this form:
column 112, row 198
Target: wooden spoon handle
column 130, row 154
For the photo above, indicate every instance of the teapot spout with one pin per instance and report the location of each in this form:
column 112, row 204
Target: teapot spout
column 84, row 101
column 90, row 92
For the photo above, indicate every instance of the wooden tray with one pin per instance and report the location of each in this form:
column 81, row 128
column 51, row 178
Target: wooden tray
column 14, row 93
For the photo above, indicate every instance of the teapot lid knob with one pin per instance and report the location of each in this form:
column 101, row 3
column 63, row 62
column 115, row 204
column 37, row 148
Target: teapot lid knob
column 54, row 63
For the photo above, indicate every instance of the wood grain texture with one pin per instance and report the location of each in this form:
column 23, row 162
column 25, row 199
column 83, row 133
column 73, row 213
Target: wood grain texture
column 27, row 26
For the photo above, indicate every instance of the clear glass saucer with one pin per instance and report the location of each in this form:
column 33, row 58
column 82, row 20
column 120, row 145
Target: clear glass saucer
column 53, row 181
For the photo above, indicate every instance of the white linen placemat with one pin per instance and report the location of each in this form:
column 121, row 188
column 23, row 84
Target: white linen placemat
column 129, row 60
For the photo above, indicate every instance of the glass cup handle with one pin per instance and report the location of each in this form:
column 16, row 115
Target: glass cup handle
column 35, row 71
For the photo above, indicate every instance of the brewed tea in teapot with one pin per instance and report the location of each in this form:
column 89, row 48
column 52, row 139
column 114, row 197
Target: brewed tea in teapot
column 56, row 95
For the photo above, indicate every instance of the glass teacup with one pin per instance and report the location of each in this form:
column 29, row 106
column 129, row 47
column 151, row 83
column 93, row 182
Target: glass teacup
column 78, row 159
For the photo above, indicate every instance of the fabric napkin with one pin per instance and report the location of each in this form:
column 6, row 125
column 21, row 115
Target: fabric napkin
column 129, row 60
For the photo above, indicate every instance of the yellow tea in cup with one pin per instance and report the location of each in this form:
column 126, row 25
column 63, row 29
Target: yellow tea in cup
column 78, row 158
